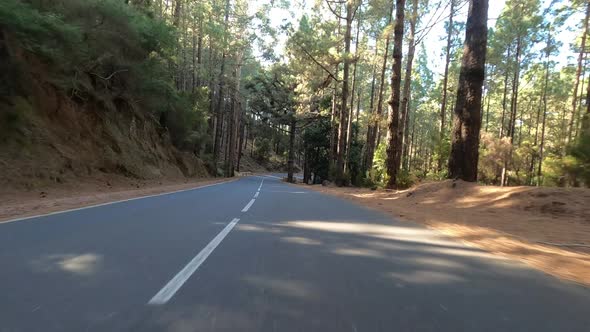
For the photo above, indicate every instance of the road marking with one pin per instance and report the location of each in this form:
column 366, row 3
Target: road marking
column 166, row 293
column 247, row 207
column 260, row 187
column 109, row 203
column 257, row 193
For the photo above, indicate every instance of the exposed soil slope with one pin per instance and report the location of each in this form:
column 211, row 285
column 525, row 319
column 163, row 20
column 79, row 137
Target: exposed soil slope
column 50, row 137
column 548, row 228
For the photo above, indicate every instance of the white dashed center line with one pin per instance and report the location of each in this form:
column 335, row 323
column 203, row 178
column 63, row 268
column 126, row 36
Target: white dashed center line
column 166, row 293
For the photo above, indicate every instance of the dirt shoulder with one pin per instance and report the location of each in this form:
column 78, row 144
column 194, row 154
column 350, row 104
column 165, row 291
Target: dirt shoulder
column 18, row 204
column 547, row 228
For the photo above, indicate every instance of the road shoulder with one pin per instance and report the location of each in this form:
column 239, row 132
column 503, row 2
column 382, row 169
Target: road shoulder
column 519, row 235
column 16, row 205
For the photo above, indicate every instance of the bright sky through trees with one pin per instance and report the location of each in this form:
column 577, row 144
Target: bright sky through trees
column 291, row 11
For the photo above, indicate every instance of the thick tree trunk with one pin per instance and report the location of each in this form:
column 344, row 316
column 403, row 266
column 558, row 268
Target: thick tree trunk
column 443, row 103
column 466, row 124
column 393, row 122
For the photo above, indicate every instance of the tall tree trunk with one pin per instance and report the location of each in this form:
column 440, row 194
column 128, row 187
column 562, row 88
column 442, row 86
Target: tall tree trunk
column 291, row 160
column 443, row 103
column 344, row 96
column 466, row 124
column 504, row 95
column 515, row 86
column 375, row 120
column 488, row 110
column 234, row 120
column 199, row 54
column 221, row 80
column 393, row 122
column 350, row 116
column 405, row 108
column 578, row 73
column 241, row 139
column 513, row 110
column 579, row 110
column 542, row 144
column 194, row 56
column 585, row 129
column 370, row 127
column 351, row 113
column 177, row 13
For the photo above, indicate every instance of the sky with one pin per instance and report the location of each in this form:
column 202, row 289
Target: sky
column 435, row 40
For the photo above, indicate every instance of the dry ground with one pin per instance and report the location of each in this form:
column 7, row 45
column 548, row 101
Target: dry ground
column 18, row 203
column 547, row 228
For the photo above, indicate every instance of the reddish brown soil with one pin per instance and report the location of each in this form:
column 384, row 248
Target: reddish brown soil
column 16, row 204
column 548, row 228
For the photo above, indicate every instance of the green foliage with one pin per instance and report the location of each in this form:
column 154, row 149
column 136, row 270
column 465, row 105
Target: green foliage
column 43, row 33
column 406, row 179
column 577, row 163
column 553, row 172
column 378, row 172
column 109, row 53
column 316, row 145
column 355, row 157
column 263, row 149
column 13, row 118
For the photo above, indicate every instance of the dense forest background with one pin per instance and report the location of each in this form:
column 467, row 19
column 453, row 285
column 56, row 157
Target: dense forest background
column 347, row 91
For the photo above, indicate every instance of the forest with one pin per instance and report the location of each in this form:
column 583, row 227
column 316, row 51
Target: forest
column 368, row 93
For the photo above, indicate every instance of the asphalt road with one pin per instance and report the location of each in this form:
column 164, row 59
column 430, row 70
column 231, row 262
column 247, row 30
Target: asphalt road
column 296, row 260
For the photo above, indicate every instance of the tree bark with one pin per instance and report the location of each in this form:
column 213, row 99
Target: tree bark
column 578, row 73
column 199, row 54
column 291, row 160
column 393, row 122
column 350, row 115
column 504, row 96
column 405, row 104
column 366, row 165
column 542, row 144
column 234, row 120
column 343, row 123
column 515, row 84
column 374, row 121
column 466, row 124
column 218, row 107
column 443, row 103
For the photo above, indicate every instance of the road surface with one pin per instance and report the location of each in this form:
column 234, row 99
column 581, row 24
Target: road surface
column 260, row 255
